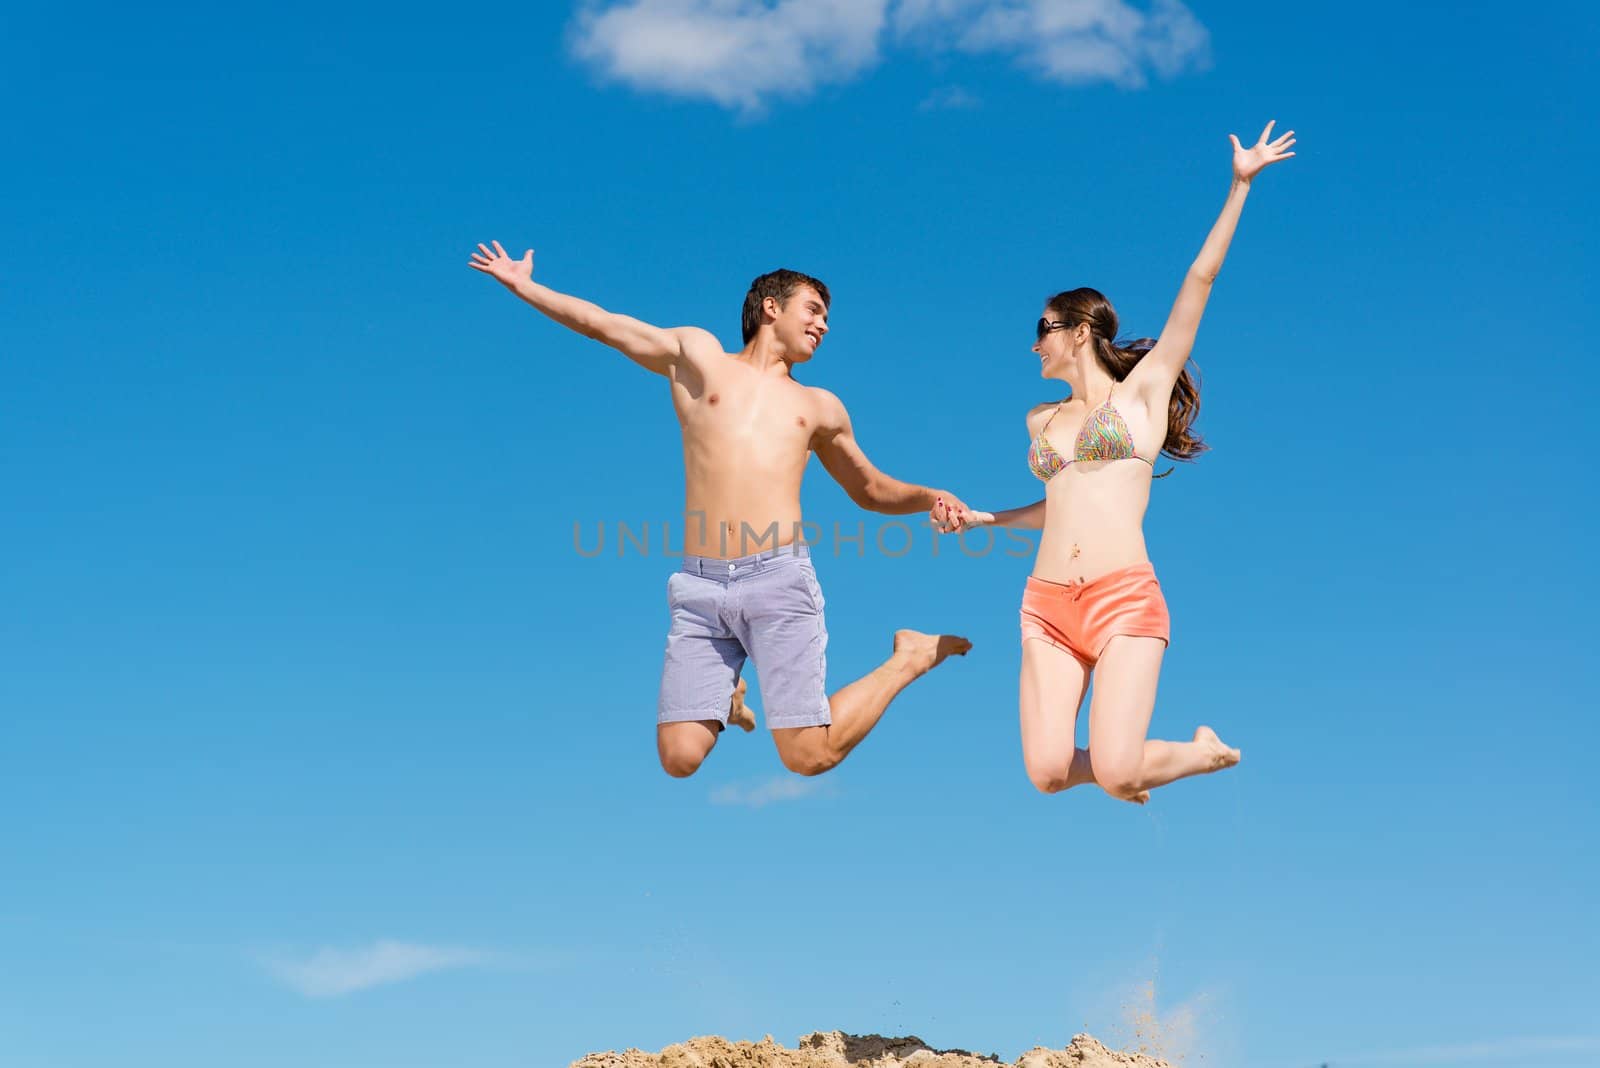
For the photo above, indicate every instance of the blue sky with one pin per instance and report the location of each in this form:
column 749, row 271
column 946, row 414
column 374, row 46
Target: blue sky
column 322, row 746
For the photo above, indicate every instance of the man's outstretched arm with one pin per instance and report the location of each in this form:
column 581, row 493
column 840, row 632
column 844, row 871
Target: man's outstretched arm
column 651, row 347
column 835, row 445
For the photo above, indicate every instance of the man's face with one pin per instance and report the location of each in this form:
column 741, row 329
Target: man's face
column 800, row 323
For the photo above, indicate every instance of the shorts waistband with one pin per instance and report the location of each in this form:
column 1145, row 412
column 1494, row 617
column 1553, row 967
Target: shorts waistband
column 1079, row 588
column 712, row 567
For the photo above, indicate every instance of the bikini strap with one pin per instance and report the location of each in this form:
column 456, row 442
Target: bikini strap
column 1051, row 417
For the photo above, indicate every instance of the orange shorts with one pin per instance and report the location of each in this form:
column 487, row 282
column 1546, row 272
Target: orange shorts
column 1080, row 617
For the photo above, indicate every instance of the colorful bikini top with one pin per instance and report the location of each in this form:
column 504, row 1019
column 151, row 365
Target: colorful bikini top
column 1104, row 436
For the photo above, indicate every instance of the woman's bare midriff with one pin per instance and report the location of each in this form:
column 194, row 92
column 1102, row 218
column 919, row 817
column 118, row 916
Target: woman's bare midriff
column 1094, row 520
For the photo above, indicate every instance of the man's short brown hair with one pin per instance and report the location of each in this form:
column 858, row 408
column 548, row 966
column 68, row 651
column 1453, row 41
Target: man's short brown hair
column 780, row 285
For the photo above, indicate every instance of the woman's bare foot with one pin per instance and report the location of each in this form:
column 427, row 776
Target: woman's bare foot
column 1220, row 755
column 1138, row 799
column 924, row 652
column 739, row 714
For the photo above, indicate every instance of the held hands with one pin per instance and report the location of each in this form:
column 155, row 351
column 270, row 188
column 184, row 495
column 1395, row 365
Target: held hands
column 949, row 516
column 1249, row 162
column 501, row 267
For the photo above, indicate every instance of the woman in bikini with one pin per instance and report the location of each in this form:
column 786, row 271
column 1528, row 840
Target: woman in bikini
column 1092, row 605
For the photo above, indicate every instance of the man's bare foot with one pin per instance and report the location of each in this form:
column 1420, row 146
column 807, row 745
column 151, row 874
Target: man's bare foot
column 1221, row 756
column 739, row 715
column 924, row 652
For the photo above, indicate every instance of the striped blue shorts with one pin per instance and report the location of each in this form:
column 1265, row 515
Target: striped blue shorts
column 767, row 607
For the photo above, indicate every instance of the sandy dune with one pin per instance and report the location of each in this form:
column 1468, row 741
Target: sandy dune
column 833, row 1049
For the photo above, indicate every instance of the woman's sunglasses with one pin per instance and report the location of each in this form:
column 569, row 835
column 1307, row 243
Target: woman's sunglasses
column 1047, row 326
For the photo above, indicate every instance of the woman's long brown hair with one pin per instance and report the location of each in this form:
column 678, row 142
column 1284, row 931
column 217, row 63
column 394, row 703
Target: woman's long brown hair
column 1090, row 306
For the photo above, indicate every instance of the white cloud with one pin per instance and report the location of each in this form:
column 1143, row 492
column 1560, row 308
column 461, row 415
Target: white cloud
column 950, row 98
column 733, row 52
column 741, row 53
column 1068, row 41
column 331, row 972
column 786, row 788
column 1510, row 1049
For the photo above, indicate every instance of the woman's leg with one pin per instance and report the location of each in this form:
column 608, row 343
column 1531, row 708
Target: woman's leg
column 1051, row 691
column 1125, row 762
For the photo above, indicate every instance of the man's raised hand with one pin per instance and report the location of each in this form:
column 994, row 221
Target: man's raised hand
column 503, row 268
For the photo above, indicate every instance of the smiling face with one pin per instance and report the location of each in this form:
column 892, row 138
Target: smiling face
column 1060, row 346
column 798, row 323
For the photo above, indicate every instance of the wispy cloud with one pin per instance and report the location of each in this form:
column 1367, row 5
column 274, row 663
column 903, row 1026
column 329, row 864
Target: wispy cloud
column 1074, row 42
column 787, row 788
column 1505, row 1050
column 331, row 972
column 736, row 53
column 949, row 98
column 742, row 53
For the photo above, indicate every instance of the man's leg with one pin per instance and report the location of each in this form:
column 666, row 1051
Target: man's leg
column 700, row 685
column 857, row 708
column 683, row 746
column 781, row 623
column 740, row 714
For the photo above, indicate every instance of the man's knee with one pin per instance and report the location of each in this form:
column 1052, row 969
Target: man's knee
column 681, row 763
column 809, row 763
column 682, row 749
column 808, row 754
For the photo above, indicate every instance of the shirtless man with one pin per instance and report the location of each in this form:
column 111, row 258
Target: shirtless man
column 748, row 430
